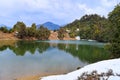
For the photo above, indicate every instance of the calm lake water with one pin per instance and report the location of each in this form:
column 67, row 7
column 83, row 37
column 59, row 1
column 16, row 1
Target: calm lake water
column 26, row 58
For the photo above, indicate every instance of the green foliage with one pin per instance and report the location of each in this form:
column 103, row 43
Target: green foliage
column 11, row 30
column 4, row 29
column 61, row 33
column 31, row 31
column 3, row 48
column 21, row 28
column 90, row 27
column 42, row 33
column 85, row 53
column 20, row 48
column 72, row 34
column 114, row 18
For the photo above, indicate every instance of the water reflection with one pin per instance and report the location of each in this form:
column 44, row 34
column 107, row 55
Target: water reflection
column 21, row 47
column 24, row 58
column 87, row 53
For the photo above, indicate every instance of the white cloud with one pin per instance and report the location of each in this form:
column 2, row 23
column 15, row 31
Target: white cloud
column 58, row 11
column 103, row 9
column 109, row 3
column 97, row 10
column 85, row 8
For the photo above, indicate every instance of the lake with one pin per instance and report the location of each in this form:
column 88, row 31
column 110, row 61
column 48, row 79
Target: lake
column 26, row 58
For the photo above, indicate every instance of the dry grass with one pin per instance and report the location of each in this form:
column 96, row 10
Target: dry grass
column 96, row 76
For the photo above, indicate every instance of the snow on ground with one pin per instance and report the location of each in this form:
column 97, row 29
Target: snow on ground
column 100, row 67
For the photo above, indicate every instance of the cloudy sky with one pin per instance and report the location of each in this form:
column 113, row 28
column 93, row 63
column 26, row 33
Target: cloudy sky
column 57, row 11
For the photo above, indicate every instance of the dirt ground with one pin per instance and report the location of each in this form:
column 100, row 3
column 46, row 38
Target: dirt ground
column 11, row 36
column 35, row 77
column 7, row 36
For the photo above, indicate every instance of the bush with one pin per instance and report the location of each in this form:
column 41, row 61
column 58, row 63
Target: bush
column 4, row 29
column 61, row 33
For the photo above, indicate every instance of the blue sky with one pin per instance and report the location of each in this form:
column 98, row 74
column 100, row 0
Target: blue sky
column 58, row 11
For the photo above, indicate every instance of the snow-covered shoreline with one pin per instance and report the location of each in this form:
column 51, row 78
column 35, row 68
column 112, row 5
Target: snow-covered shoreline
column 100, row 67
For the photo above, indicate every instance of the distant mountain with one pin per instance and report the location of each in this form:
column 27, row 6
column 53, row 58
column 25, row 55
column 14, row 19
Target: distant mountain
column 2, row 25
column 50, row 26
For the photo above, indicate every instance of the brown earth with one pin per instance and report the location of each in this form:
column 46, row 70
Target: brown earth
column 36, row 77
column 53, row 36
column 7, row 36
column 29, row 78
column 67, row 37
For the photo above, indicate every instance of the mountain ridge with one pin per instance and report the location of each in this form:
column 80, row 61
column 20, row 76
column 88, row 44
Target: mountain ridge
column 49, row 25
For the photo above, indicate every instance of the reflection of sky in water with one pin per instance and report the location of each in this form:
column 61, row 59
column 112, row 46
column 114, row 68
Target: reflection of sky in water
column 51, row 61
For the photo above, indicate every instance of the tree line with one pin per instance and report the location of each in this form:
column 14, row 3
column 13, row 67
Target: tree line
column 23, row 32
column 40, row 33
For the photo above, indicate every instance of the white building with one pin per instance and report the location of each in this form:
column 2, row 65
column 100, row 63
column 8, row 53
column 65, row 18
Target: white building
column 77, row 29
column 68, row 31
column 77, row 37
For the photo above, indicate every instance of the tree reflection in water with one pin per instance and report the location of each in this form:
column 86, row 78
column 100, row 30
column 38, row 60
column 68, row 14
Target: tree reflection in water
column 87, row 53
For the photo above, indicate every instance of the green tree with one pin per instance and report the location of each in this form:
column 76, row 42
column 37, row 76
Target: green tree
column 114, row 18
column 11, row 30
column 31, row 31
column 21, row 28
column 4, row 29
column 33, row 28
column 61, row 33
column 90, row 27
column 42, row 33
